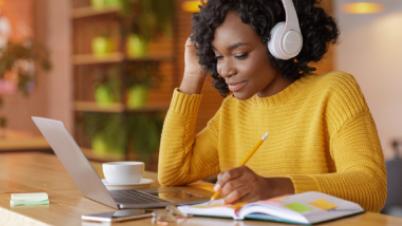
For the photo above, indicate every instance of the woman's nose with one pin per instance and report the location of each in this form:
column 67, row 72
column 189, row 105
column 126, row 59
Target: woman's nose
column 226, row 69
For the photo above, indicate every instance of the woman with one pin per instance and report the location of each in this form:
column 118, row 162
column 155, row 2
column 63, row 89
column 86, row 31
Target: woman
column 321, row 133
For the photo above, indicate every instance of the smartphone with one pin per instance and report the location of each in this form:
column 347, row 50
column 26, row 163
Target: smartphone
column 119, row 215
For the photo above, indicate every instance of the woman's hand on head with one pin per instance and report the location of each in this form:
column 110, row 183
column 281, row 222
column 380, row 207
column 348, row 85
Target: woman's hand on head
column 192, row 66
column 244, row 185
column 194, row 74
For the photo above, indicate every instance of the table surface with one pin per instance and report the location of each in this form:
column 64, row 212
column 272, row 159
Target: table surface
column 39, row 172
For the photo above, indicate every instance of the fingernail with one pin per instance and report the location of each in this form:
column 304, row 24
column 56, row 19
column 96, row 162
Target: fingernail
column 217, row 187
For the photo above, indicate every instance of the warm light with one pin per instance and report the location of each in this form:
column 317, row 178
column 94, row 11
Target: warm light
column 363, row 7
column 192, row 6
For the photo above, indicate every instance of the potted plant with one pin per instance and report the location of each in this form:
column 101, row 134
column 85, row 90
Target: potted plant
column 140, row 80
column 106, row 133
column 98, row 4
column 107, row 88
column 144, row 135
column 102, row 46
column 109, row 134
column 102, row 4
column 114, row 3
column 146, row 20
column 137, row 46
column 19, row 65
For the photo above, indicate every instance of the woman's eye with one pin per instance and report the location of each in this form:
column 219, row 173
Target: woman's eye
column 241, row 56
column 218, row 57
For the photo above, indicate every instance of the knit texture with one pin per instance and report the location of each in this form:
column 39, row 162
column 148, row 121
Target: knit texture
column 321, row 136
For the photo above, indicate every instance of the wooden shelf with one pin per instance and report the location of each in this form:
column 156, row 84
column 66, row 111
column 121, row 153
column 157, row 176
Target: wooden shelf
column 84, row 12
column 88, row 23
column 89, row 59
column 94, row 107
column 149, row 109
column 151, row 58
column 83, row 106
column 101, row 158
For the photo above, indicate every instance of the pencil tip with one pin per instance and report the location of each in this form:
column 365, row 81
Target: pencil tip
column 265, row 135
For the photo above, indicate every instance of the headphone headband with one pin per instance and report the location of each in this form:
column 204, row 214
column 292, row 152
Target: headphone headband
column 292, row 21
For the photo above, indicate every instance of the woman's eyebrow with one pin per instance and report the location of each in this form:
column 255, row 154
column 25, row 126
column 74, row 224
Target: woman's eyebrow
column 236, row 45
column 233, row 46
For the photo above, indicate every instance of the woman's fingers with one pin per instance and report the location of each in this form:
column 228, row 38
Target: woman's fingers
column 236, row 195
column 189, row 43
column 248, row 197
column 231, row 185
column 224, row 177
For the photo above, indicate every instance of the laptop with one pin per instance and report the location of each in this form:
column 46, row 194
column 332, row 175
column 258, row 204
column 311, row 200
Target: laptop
column 91, row 186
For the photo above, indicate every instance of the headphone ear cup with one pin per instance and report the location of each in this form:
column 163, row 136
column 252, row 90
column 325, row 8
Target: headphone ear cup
column 275, row 43
column 284, row 44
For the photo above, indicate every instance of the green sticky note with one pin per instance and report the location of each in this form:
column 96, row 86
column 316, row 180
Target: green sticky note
column 29, row 199
column 298, row 207
column 14, row 203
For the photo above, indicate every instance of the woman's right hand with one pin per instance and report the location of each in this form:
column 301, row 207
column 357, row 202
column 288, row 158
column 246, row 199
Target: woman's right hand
column 194, row 74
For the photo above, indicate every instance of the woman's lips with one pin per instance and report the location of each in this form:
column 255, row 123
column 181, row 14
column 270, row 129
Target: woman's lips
column 235, row 87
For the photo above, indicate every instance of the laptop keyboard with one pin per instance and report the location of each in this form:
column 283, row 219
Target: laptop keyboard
column 134, row 196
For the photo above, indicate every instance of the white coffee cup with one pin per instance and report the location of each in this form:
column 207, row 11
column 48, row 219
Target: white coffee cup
column 124, row 172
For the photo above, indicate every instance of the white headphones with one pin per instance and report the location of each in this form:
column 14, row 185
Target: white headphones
column 286, row 39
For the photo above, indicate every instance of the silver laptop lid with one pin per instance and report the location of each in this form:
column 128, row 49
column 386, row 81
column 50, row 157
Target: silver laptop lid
column 71, row 156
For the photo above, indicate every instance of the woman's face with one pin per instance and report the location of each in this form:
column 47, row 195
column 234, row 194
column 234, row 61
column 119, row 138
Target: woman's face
column 242, row 60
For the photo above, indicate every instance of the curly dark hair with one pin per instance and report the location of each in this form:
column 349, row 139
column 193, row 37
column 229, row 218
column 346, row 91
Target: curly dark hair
column 318, row 30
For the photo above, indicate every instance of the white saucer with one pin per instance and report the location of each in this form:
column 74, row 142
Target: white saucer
column 144, row 182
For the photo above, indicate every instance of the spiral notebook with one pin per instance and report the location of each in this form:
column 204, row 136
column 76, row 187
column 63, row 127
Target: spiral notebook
column 303, row 208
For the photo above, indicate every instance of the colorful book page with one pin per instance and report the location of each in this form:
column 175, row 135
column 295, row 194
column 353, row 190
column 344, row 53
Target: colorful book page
column 298, row 207
column 273, row 201
column 209, row 206
column 323, row 204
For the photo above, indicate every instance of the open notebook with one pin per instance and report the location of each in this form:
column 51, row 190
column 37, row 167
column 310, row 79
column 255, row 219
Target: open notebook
column 302, row 208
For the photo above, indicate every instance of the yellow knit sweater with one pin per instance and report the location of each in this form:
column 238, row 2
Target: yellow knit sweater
column 322, row 137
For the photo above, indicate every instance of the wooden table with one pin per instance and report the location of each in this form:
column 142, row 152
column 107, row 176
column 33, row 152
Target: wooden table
column 34, row 172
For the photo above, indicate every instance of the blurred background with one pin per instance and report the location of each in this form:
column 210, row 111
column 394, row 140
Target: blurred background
column 107, row 69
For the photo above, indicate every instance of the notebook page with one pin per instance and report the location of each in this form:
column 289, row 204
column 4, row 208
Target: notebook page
column 215, row 208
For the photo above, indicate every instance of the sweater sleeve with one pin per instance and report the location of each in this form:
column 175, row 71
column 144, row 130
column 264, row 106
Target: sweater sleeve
column 185, row 156
column 355, row 150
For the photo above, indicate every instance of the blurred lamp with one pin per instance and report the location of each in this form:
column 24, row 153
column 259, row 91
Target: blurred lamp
column 192, row 6
column 5, row 31
column 5, row 27
column 363, row 7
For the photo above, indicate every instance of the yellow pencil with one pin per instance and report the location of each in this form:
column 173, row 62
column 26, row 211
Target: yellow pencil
column 246, row 158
